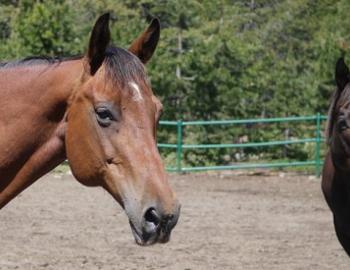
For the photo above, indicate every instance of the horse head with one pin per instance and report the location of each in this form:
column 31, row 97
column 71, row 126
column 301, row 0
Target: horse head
column 339, row 118
column 111, row 132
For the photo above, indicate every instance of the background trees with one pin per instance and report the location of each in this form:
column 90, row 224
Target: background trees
column 216, row 59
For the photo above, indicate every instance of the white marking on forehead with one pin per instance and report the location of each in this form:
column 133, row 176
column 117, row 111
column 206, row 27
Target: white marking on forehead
column 136, row 91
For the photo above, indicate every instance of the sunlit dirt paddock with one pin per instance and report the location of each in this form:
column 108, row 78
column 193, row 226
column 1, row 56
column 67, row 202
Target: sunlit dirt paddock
column 228, row 221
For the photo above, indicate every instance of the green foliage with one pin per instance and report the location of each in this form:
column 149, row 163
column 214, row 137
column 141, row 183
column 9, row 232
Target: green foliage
column 46, row 28
column 216, row 59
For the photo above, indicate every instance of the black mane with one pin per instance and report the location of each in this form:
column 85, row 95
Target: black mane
column 38, row 60
column 121, row 65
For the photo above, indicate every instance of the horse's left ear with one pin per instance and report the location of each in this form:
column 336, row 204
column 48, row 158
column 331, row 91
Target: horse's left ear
column 99, row 40
column 145, row 45
column 342, row 74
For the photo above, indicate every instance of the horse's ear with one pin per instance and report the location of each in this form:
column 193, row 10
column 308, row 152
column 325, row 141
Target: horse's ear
column 144, row 46
column 99, row 40
column 342, row 75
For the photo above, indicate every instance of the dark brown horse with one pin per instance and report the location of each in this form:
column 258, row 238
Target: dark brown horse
column 99, row 112
column 336, row 169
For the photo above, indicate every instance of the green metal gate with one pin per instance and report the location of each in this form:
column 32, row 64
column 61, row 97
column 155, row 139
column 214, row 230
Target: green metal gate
column 180, row 147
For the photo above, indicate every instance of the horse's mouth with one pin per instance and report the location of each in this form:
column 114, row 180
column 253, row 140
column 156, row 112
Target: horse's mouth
column 154, row 226
column 147, row 239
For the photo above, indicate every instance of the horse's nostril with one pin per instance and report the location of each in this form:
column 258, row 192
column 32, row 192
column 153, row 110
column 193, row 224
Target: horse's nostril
column 152, row 216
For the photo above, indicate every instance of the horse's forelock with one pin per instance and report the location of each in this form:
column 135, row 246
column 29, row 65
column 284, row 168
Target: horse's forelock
column 123, row 67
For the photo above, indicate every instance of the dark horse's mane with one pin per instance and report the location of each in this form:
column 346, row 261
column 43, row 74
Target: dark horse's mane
column 121, row 65
column 330, row 115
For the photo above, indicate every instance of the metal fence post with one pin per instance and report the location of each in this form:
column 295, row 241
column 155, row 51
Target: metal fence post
column 179, row 146
column 318, row 145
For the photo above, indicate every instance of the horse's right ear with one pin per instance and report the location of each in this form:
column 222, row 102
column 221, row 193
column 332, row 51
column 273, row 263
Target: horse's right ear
column 99, row 40
column 342, row 75
column 145, row 45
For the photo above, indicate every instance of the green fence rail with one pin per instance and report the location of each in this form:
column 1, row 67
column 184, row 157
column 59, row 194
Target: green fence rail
column 180, row 147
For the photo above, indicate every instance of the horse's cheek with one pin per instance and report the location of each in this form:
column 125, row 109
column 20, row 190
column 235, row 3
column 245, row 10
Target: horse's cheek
column 84, row 153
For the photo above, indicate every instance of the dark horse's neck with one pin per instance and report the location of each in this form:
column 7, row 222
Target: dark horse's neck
column 33, row 104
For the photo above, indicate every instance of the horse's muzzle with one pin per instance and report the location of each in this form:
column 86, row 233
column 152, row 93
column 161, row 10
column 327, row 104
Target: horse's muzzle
column 155, row 227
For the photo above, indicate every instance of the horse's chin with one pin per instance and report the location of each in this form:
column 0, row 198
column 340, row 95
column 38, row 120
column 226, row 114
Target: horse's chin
column 143, row 239
column 140, row 238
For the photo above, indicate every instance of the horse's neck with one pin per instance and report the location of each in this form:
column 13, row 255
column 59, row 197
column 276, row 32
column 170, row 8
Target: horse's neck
column 343, row 177
column 33, row 103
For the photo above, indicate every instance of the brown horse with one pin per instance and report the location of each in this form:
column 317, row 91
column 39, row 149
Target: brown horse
column 99, row 112
column 336, row 169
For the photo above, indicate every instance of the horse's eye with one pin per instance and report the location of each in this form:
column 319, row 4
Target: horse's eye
column 104, row 116
column 342, row 125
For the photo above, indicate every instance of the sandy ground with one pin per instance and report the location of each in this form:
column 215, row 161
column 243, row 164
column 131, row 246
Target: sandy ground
column 228, row 221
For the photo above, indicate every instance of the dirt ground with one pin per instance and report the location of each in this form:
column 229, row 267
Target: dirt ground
column 228, row 221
